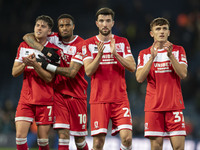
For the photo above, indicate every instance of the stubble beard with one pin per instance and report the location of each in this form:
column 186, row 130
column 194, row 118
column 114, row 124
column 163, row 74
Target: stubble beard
column 105, row 33
column 66, row 36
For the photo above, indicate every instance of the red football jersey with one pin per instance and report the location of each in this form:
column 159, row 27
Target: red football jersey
column 34, row 89
column 108, row 82
column 76, row 87
column 163, row 92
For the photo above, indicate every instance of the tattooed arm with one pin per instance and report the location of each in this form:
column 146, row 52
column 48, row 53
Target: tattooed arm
column 32, row 42
column 50, row 53
column 70, row 71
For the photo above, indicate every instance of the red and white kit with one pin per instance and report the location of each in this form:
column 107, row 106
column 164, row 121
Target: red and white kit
column 36, row 95
column 163, row 92
column 108, row 85
column 70, row 94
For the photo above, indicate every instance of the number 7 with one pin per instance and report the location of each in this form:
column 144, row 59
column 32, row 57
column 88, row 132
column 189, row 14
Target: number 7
column 50, row 110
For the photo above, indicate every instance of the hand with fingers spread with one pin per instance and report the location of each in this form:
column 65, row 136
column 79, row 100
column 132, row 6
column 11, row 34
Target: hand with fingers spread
column 168, row 46
column 51, row 54
column 101, row 47
column 154, row 50
column 112, row 47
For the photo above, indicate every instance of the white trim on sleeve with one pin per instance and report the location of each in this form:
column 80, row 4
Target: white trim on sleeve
column 78, row 61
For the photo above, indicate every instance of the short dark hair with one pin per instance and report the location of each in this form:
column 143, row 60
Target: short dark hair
column 159, row 21
column 105, row 11
column 47, row 19
column 66, row 16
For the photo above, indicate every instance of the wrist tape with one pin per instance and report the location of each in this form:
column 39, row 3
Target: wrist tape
column 51, row 68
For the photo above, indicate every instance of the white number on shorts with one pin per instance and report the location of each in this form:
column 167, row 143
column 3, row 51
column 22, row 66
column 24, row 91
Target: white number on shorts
column 126, row 112
column 82, row 118
column 50, row 110
column 178, row 117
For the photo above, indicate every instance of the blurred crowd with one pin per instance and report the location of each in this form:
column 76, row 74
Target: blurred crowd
column 132, row 20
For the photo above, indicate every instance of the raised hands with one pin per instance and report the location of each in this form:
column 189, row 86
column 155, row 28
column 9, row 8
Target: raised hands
column 101, row 47
column 154, row 50
column 30, row 60
column 168, row 46
column 112, row 46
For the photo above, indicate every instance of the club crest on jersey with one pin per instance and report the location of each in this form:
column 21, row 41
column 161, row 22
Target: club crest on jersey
column 50, row 118
column 83, row 126
column 72, row 50
column 84, row 50
column 96, row 124
column 118, row 47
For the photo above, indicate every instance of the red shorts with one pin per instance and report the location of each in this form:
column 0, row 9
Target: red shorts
column 71, row 113
column 42, row 114
column 164, row 124
column 100, row 115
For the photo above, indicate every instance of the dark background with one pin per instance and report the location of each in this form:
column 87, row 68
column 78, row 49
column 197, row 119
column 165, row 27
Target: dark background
column 131, row 21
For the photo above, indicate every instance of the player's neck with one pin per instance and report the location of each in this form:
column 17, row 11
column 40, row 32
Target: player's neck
column 67, row 40
column 105, row 38
column 160, row 45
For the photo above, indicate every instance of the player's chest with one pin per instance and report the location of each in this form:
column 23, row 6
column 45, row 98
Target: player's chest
column 68, row 52
column 119, row 47
column 162, row 63
column 68, row 49
column 107, row 57
column 25, row 52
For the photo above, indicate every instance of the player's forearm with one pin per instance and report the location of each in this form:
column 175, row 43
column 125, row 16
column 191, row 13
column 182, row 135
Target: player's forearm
column 18, row 70
column 142, row 73
column 64, row 71
column 43, row 74
column 91, row 68
column 67, row 71
column 30, row 39
column 128, row 63
column 180, row 69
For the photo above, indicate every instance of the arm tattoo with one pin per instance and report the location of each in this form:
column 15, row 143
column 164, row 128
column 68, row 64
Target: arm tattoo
column 70, row 71
column 32, row 42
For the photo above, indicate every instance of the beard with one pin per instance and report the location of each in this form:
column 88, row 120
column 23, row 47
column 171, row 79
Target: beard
column 105, row 33
column 66, row 36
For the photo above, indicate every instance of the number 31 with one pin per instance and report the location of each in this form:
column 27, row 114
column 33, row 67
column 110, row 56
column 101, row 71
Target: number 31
column 178, row 116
